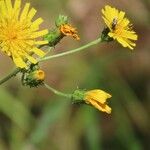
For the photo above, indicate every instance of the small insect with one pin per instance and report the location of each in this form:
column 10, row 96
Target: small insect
column 114, row 23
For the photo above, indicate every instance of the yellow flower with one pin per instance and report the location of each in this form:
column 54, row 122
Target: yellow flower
column 120, row 28
column 39, row 75
column 68, row 30
column 97, row 98
column 18, row 33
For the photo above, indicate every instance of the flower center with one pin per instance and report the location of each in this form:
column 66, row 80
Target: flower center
column 117, row 27
column 11, row 31
column 12, row 36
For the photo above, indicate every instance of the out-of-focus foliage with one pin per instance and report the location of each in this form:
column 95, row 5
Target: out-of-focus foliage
column 35, row 119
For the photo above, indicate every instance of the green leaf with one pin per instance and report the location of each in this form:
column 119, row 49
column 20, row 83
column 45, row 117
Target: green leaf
column 50, row 115
column 14, row 109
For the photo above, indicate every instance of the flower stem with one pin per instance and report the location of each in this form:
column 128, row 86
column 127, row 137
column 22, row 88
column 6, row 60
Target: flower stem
column 58, row 92
column 72, row 51
column 14, row 73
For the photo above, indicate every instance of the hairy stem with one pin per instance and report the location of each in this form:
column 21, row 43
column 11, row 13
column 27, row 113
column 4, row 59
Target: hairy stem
column 12, row 74
column 72, row 51
column 57, row 92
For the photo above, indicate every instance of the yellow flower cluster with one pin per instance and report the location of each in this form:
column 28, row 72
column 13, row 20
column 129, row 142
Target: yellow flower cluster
column 18, row 33
column 19, row 39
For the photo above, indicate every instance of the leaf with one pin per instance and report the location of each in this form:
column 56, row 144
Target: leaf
column 14, row 109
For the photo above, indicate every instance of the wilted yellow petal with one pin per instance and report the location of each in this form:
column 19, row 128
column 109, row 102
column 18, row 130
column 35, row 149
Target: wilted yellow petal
column 98, row 99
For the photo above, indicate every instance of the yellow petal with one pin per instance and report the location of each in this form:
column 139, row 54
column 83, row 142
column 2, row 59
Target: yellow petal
column 124, row 42
column 2, row 7
column 121, row 16
column 41, row 42
column 17, row 8
column 39, row 33
column 38, row 52
column 9, row 6
column 25, row 11
column 97, row 95
column 36, row 23
column 101, row 107
column 31, row 13
column 31, row 59
column 129, row 35
column 19, row 62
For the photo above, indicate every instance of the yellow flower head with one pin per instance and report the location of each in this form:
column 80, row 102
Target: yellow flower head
column 68, row 30
column 18, row 33
column 97, row 98
column 39, row 75
column 120, row 28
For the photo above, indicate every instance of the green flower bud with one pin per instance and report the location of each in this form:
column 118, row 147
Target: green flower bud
column 53, row 37
column 63, row 28
column 61, row 20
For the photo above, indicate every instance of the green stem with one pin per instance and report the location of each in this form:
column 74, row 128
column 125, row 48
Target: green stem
column 57, row 92
column 14, row 73
column 72, row 51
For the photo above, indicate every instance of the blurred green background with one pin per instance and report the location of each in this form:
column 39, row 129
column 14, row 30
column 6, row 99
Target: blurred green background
column 36, row 119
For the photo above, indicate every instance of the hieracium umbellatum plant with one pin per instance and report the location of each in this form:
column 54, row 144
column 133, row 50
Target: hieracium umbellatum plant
column 19, row 40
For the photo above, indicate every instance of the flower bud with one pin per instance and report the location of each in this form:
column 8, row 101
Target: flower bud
column 53, row 37
column 38, row 75
column 35, row 78
column 61, row 20
column 63, row 28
